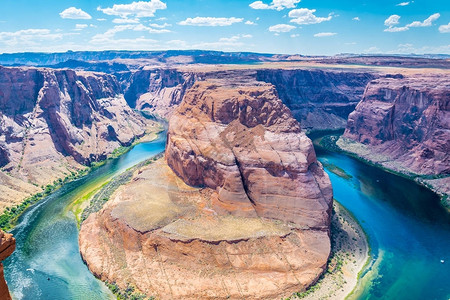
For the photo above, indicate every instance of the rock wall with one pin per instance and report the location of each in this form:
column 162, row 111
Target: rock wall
column 318, row 99
column 7, row 247
column 244, row 143
column 54, row 121
column 158, row 90
column 403, row 123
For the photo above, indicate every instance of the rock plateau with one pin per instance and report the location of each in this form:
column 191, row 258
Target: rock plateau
column 239, row 208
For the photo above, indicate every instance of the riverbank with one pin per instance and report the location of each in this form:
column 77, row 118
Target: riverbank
column 11, row 214
column 349, row 256
column 333, row 141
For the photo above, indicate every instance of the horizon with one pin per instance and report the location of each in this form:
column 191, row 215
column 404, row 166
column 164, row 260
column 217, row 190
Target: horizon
column 290, row 27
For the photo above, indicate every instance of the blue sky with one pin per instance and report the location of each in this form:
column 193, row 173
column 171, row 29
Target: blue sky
column 310, row 27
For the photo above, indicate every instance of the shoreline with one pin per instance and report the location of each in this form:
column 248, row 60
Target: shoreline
column 330, row 144
column 350, row 254
column 10, row 215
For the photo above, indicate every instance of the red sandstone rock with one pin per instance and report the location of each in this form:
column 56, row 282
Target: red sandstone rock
column 7, row 247
column 53, row 121
column 243, row 142
column 406, row 120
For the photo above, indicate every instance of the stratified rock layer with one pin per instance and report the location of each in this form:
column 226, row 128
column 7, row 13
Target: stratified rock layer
column 54, row 121
column 404, row 124
column 256, row 226
column 319, row 99
column 164, row 238
column 244, row 143
column 7, row 247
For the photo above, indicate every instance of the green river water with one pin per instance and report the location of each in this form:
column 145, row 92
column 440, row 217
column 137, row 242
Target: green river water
column 409, row 234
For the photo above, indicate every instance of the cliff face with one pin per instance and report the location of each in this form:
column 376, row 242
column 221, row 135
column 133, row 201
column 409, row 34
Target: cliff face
column 7, row 247
column 404, row 124
column 256, row 226
column 52, row 121
column 158, row 90
column 244, row 143
column 318, row 99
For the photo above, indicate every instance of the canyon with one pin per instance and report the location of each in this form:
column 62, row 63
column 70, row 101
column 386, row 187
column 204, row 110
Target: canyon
column 55, row 122
column 239, row 193
column 239, row 207
column 403, row 124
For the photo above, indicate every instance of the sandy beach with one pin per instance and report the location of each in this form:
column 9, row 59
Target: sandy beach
column 350, row 252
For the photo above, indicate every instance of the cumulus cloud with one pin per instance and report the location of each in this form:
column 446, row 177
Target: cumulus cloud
column 276, row 4
column 160, row 25
column 226, row 43
column 427, row 22
column 304, row 16
column 74, row 13
column 403, row 3
column 210, row 21
column 324, row 34
column 356, row 19
column 250, row 23
column 109, row 35
column 140, row 9
column 394, row 20
column 444, row 28
column 281, row 28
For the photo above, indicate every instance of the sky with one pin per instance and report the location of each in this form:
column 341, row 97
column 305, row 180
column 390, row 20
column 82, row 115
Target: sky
column 307, row 27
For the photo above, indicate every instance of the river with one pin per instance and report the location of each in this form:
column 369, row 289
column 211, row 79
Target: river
column 47, row 264
column 409, row 234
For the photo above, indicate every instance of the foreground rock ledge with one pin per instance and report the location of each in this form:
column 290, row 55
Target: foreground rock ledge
column 7, row 247
column 257, row 228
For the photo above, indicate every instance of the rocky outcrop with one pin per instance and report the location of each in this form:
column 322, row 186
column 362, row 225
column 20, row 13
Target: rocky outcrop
column 7, row 247
column 318, row 99
column 54, row 121
column 244, row 143
column 403, row 123
column 256, row 224
column 158, row 90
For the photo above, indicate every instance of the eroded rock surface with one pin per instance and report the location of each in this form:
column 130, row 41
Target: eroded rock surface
column 55, row 121
column 256, row 224
column 319, row 99
column 244, row 143
column 7, row 247
column 404, row 124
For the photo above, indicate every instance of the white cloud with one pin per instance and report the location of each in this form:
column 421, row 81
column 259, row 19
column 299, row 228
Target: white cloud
column 276, row 4
column 31, row 39
column 160, row 25
column 109, row 35
column 392, row 20
column 372, row 49
column 281, row 28
column 356, row 19
column 80, row 26
column 396, row 29
column 235, row 38
column 324, row 34
column 125, row 21
column 304, row 16
column 210, row 21
column 140, row 9
column 295, row 35
column 250, row 23
column 224, row 44
column 74, row 13
column 403, row 3
column 444, row 28
column 101, row 19
column 426, row 23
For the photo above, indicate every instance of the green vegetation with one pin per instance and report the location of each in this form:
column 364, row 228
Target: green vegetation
column 337, row 170
column 129, row 293
column 103, row 195
column 10, row 215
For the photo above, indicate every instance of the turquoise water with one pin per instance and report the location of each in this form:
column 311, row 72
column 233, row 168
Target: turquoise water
column 409, row 231
column 47, row 264
column 409, row 234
